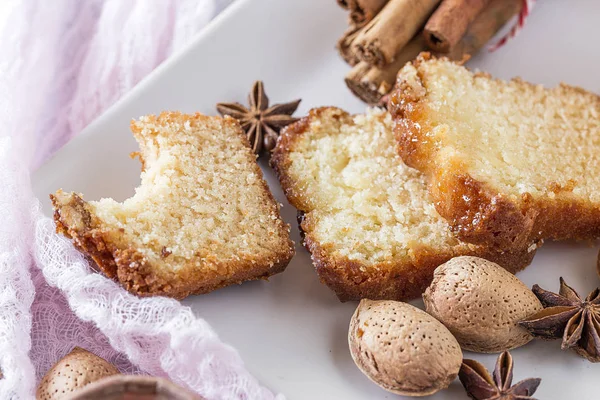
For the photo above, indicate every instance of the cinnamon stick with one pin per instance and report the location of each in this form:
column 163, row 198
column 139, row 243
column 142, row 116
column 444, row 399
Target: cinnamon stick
column 345, row 48
column 366, row 89
column 362, row 11
column 489, row 21
column 449, row 23
column 370, row 83
column 394, row 26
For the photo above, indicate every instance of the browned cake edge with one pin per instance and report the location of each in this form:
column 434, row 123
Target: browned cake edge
column 139, row 276
column 476, row 211
column 352, row 280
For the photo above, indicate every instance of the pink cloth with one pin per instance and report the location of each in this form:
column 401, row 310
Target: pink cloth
column 63, row 63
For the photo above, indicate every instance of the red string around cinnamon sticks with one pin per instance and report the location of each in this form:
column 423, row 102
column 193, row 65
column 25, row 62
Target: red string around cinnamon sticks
column 514, row 31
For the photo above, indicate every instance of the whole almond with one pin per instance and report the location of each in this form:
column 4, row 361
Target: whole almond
column 403, row 349
column 134, row 387
column 72, row 372
column 481, row 303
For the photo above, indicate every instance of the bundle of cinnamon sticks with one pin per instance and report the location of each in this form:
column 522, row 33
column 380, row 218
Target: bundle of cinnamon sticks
column 385, row 34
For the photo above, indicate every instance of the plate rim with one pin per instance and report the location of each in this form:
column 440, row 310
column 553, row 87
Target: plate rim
column 160, row 70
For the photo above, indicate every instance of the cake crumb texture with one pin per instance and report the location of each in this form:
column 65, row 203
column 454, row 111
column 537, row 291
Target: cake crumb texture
column 507, row 162
column 366, row 217
column 202, row 217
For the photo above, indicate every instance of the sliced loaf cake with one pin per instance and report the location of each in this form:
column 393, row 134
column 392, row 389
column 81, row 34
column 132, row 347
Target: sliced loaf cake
column 508, row 163
column 202, row 217
column 366, row 217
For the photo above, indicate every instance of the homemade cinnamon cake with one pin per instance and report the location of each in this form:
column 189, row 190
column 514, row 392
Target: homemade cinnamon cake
column 202, row 217
column 508, row 163
column 366, row 217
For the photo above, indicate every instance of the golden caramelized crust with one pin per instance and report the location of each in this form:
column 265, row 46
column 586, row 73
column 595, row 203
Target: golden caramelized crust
column 366, row 217
column 202, row 217
column 508, row 163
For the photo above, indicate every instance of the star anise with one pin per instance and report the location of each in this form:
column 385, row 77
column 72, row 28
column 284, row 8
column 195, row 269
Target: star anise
column 260, row 122
column 569, row 317
column 480, row 385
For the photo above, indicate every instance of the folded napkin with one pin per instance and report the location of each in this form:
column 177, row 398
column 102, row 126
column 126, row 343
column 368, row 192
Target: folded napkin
column 63, row 63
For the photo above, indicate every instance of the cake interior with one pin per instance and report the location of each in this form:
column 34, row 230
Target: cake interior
column 201, row 199
column 363, row 202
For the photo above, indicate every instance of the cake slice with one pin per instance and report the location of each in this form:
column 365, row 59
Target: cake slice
column 366, row 217
column 507, row 162
column 202, row 217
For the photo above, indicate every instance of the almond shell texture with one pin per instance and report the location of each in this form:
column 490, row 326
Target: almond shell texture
column 481, row 303
column 72, row 372
column 403, row 349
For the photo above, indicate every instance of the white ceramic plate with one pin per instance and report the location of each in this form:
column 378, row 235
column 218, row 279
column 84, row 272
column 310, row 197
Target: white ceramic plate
column 291, row 331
